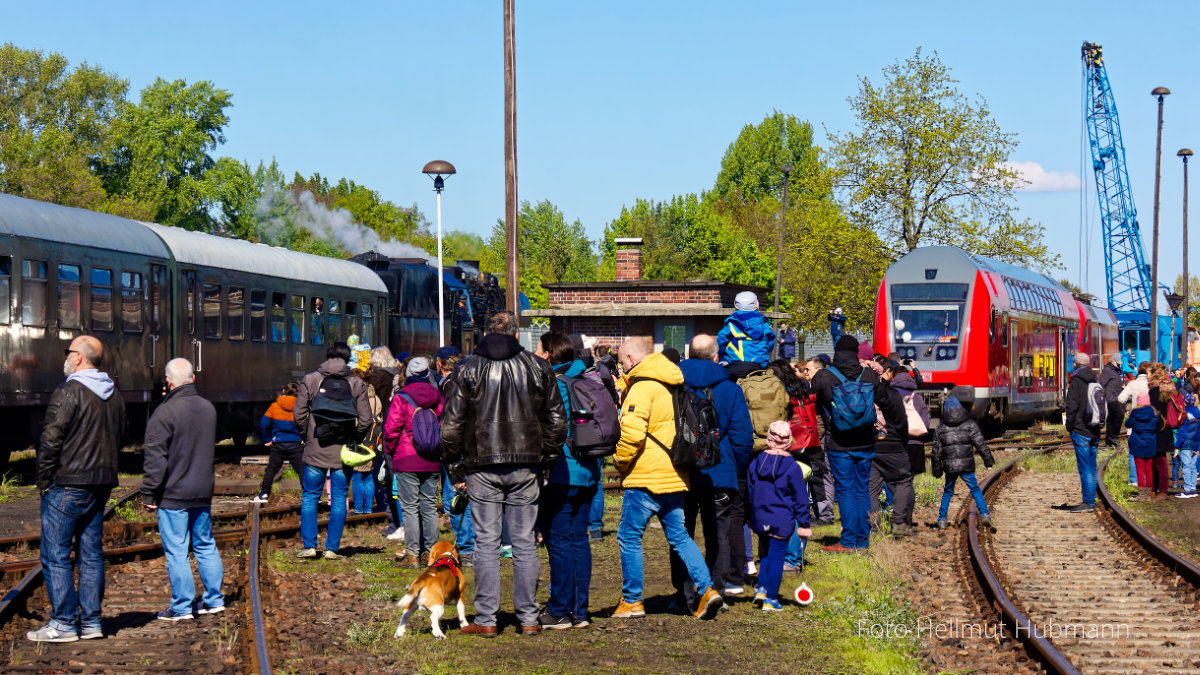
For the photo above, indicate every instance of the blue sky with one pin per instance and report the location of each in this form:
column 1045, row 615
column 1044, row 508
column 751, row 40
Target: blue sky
column 622, row 100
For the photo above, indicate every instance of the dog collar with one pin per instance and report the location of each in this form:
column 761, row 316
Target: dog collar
column 448, row 561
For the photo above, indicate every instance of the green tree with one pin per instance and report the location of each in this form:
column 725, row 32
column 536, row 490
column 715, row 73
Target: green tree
column 551, row 249
column 928, row 166
column 1193, row 297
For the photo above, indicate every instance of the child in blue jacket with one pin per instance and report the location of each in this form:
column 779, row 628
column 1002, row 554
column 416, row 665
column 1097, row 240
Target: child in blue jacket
column 746, row 335
column 778, row 502
column 1187, row 444
column 1144, row 423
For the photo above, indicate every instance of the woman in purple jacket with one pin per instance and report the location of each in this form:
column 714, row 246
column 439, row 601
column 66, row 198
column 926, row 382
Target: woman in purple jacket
column 778, row 501
column 417, row 479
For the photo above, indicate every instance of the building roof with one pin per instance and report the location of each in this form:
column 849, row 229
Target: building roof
column 41, row 220
column 198, row 248
column 651, row 285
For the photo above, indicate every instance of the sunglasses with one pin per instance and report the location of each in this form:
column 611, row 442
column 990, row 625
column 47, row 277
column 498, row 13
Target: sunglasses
column 68, row 352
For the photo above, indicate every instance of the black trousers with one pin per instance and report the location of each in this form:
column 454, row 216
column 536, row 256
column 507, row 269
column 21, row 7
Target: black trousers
column 713, row 506
column 737, row 538
column 892, row 466
column 1112, row 425
column 291, row 453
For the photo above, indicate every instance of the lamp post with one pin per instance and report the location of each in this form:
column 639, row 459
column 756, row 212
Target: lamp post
column 787, row 172
column 1173, row 301
column 1187, row 315
column 436, row 170
column 1160, row 92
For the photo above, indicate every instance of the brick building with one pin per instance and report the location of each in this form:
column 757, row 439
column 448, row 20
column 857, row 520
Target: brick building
column 668, row 312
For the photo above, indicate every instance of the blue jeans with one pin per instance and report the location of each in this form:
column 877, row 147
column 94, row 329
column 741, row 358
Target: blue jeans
column 1132, row 470
column 566, row 511
column 1175, row 467
column 178, row 528
column 69, row 515
column 636, row 509
column 464, row 531
column 851, row 477
column 968, row 479
column 363, row 487
column 1085, row 461
column 596, row 523
column 771, row 552
column 795, row 550
column 313, row 482
column 1187, row 467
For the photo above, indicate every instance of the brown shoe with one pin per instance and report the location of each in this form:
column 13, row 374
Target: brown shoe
column 423, row 560
column 410, row 561
column 629, row 610
column 476, row 629
column 1159, row 496
column 1143, row 495
column 710, row 605
column 531, row 630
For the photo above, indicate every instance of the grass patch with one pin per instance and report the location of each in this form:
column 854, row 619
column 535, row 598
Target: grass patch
column 1116, row 479
column 1055, row 461
column 10, row 489
column 289, row 473
column 927, row 488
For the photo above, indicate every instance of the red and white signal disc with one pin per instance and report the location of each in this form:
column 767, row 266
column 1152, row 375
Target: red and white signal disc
column 804, row 594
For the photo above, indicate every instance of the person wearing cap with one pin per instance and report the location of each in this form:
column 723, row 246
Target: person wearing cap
column 446, row 358
column 417, row 478
column 746, row 335
column 837, row 324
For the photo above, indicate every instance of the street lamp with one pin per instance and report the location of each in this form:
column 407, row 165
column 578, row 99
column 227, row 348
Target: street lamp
column 787, row 172
column 1160, row 92
column 1173, row 301
column 1187, row 316
column 435, row 170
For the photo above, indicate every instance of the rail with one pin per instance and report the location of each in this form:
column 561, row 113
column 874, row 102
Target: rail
column 261, row 656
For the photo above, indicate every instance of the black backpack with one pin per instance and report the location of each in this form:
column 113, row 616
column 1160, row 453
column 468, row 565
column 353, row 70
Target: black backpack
column 697, row 432
column 335, row 416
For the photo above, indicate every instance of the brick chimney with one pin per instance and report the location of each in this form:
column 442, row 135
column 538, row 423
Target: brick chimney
column 629, row 258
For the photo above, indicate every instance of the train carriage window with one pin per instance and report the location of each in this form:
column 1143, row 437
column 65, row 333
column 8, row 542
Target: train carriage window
column 278, row 317
column 212, row 311
column 1025, row 371
column 334, row 322
column 1003, row 330
column 68, row 296
column 351, row 321
column 258, row 315
column 235, row 308
column 33, row 292
column 189, row 301
column 368, row 324
column 5, row 288
column 297, row 323
column 131, row 302
column 102, row 306
column 316, row 321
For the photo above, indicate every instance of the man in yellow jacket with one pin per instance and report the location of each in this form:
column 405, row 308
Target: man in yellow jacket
column 653, row 486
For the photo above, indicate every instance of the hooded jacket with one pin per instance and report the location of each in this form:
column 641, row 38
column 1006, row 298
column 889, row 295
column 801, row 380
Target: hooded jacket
column 824, row 382
column 648, row 409
column 1112, row 380
column 1076, row 403
column 787, row 345
column 906, row 384
column 733, row 420
column 315, row 454
column 81, row 435
column 1128, row 395
column 178, row 454
column 1144, row 424
column 502, row 408
column 1188, row 436
column 895, row 422
column 397, row 430
column 569, row 469
column 746, row 336
column 954, row 443
column 278, row 425
column 382, row 379
column 778, row 496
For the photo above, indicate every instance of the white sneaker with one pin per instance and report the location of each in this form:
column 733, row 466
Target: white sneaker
column 1186, row 495
column 398, row 535
column 751, row 568
column 260, row 499
column 51, row 634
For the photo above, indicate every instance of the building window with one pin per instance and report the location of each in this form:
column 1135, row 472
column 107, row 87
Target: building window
column 334, row 322
column 278, row 317
column 68, row 296
column 212, row 311
column 102, row 305
column 316, row 319
column 131, row 302
column 235, row 304
column 258, row 315
column 297, row 320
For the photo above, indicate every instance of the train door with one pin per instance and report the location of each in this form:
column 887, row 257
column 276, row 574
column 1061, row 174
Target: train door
column 158, row 347
column 188, row 345
column 1066, row 354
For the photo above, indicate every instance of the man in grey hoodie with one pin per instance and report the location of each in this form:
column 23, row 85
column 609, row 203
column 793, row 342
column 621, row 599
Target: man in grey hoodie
column 76, row 471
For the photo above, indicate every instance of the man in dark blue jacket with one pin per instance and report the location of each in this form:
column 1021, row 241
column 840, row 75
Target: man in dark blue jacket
column 714, row 490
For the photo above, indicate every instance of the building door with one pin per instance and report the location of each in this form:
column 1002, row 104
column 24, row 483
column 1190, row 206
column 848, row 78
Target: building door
column 674, row 332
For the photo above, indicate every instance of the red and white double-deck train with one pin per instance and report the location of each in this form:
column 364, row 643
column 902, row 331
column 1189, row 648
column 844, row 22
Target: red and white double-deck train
column 1007, row 332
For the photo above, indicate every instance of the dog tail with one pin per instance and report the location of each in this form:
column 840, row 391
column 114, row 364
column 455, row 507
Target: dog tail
column 408, row 599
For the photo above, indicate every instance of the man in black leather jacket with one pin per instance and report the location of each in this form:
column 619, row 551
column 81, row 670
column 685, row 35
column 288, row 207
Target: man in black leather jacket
column 503, row 421
column 76, row 471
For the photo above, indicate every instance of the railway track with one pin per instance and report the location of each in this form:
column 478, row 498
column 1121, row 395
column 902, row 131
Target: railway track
column 1089, row 593
column 233, row 641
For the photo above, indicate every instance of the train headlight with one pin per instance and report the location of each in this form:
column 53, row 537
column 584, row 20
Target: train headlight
column 941, row 353
column 899, row 323
column 907, row 336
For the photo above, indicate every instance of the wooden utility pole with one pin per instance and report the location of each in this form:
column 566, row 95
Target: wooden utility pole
column 512, row 278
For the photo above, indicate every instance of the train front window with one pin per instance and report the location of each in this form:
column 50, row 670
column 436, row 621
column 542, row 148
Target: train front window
column 923, row 324
column 68, row 296
column 102, row 305
column 956, row 292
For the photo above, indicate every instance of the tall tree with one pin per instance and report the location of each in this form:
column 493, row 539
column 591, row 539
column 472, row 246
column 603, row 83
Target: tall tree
column 928, row 166
column 552, row 250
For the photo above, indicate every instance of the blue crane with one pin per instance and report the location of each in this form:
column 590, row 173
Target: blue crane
column 1126, row 272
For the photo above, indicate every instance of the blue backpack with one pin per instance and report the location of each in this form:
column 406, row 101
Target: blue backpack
column 853, row 405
